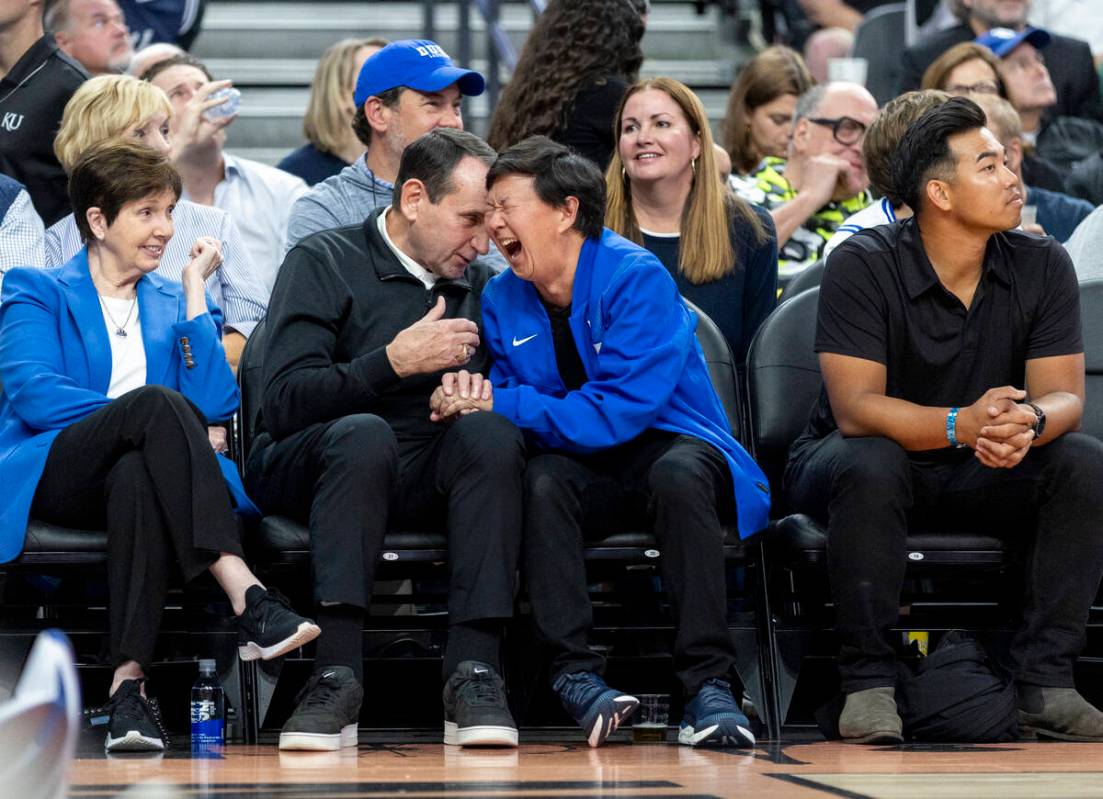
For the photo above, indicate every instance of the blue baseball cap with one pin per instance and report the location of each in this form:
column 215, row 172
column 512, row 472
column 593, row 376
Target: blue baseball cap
column 418, row 64
column 1002, row 41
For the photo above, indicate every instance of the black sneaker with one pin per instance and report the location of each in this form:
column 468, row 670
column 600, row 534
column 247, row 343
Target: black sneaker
column 269, row 627
column 135, row 724
column 475, row 709
column 326, row 713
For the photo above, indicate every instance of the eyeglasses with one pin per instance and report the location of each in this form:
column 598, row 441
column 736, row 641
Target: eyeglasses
column 845, row 130
column 984, row 87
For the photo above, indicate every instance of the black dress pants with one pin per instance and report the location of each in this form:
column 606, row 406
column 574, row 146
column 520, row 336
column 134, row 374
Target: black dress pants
column 869, row 490
column 143, row 468
column 682, row 485
column 350, row 479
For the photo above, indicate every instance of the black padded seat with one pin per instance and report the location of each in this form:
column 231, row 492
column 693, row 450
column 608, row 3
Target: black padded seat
column 48, row 544
column 801, row 538
column 285, row 540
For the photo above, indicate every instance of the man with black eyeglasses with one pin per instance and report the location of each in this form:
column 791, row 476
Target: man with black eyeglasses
column 823, row 181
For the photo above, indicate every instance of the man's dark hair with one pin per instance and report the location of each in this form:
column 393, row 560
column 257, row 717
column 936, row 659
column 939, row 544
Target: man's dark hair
column 360, row 124
column 180, row 60
column 111, row 174
column 558, row 173
column 432, row 158
column 924, row 151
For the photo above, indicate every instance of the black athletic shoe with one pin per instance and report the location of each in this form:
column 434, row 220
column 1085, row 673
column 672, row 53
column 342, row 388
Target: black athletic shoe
column 135, row 724
column 269, row 627
column 326, row 712
column 475, row 708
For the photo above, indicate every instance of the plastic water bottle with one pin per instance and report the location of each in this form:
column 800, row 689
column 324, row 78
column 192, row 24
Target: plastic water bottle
column 208, row 707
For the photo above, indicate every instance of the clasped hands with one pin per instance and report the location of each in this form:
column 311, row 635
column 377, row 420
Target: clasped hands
column 999, row 427
column 459, row 394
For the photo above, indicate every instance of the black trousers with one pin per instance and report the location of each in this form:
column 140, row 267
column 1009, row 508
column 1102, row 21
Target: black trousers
column 143, row 468
column 681, row 484
column 350, row 479
column 869, row 490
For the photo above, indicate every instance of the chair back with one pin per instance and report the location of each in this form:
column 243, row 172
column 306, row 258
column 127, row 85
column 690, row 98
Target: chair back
column 783, row 382
column 880, row 39
column 722, row 369
column 249, row 372
column 809, row 278
column 1091, row 322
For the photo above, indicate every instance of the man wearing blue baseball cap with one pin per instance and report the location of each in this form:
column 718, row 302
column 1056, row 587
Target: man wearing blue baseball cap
column 403, row 91
column 1070, row 60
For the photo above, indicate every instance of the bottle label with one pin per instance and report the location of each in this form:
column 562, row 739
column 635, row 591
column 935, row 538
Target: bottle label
column 206, row 725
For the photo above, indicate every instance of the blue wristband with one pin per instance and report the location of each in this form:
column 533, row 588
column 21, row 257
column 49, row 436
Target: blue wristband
column 951, row 428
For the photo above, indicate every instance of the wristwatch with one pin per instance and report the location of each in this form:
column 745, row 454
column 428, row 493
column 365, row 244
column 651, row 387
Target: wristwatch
column 1039, row 420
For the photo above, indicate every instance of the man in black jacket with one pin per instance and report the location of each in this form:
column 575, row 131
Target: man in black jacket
column 36, row 81
column 362, row 324
column 1069, row 60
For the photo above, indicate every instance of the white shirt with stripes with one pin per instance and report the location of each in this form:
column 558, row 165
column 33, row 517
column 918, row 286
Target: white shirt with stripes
column 234, row 287
column 880, row 213
column 21, row 236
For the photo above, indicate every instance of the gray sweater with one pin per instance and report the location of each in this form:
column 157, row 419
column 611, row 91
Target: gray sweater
column 345, row 199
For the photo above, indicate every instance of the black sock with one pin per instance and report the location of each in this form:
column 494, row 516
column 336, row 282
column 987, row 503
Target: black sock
column 342, row 640
column 474, row 640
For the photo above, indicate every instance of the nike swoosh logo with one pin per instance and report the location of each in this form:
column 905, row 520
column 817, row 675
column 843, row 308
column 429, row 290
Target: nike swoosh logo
column 518, row 342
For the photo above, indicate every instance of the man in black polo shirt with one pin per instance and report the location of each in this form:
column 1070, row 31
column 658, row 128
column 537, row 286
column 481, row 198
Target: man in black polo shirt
column 954, row 378
column 37, row 82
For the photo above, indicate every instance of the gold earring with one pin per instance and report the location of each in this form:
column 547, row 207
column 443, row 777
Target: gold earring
column 693, row 165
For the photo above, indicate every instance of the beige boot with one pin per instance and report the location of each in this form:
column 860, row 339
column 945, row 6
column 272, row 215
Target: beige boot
column 1061, row 713
column 870, row 717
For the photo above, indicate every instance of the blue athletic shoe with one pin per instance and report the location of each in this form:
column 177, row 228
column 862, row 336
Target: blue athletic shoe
column 597, row 708
column 713, row 718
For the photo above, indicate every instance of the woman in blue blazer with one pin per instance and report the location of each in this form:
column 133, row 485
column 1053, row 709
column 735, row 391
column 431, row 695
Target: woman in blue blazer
column 110, row 373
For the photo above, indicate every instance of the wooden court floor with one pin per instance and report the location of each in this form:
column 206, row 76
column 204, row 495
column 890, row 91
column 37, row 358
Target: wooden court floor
column 618, row 770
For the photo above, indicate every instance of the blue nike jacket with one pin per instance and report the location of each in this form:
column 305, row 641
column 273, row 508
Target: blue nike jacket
column 645, row 367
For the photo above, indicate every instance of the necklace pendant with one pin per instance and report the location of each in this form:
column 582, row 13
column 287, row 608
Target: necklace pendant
column 120, row 332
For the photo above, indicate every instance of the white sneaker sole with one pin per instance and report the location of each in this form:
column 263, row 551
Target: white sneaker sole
column 486, row 735
column 690, row 737
column 306, row 633
column 133, row 741
column 320, row 742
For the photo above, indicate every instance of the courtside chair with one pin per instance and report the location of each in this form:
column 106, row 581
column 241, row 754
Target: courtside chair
column 809, row 278
column 783, row 384
column 55, row 551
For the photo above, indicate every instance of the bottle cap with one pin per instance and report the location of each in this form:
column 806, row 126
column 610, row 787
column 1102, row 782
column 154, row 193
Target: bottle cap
column 207, row 665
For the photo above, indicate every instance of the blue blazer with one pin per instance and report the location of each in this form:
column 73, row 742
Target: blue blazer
column 644, row 365
column 55, row 367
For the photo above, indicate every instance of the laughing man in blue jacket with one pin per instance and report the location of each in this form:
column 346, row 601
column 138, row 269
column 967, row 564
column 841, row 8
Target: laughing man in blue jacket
column 595, row 358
